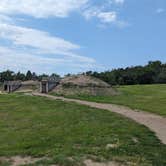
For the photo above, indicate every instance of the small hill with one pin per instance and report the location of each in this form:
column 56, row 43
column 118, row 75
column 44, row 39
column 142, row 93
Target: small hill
column 27, row 86
column 84, row 81
column 84, row 85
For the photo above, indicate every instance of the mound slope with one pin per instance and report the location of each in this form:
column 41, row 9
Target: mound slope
column 84, row 85
column 29, row 86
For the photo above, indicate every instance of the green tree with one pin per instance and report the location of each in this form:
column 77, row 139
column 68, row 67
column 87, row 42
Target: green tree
column 20, row 76
column 162, row 76
column 29, row 75
column 55, row 75
column 7, row 76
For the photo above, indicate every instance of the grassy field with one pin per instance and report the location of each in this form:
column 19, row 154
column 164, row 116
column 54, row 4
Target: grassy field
column 150, row 98
column 68, row 133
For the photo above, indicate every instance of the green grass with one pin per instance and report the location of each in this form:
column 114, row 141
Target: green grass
column 36, row 126
column 150, row 98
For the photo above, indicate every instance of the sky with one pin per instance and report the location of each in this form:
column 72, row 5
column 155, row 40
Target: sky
column 72, row 36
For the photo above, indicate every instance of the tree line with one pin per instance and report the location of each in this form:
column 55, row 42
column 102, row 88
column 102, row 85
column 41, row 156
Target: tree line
column 12, row 76
column 153, row 72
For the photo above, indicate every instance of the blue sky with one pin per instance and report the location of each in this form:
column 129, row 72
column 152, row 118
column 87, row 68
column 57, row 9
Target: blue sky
column 71, row 36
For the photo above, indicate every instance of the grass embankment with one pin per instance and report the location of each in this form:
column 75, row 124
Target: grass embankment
column 150, row 98
column 36, row 126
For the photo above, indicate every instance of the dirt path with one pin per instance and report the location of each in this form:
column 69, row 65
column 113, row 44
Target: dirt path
column 154, row 122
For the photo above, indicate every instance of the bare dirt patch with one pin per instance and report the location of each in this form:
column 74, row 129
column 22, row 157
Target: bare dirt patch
column 18, row 160
column 92, row 163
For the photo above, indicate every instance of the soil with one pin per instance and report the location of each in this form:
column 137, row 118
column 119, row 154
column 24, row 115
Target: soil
column 92, row 163
column 19, row 160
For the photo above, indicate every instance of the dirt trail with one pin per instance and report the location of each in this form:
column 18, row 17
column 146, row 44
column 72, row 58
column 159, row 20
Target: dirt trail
column 154, row 122
column 19, row 160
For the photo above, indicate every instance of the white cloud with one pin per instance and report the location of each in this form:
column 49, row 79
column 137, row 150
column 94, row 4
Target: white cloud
column 41, row 41
column 107, row 17
column 160, row 10
column 14, row 59
column 106, row 14
column 58, row 8
column 35, row 38
column 91, row 12
column 41, row 8
column 119, row 1
column 116, row 2
column 35, row 49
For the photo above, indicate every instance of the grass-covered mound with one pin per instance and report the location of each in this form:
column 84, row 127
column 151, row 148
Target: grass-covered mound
column 67, row 133
column 29, row 86
column 83, row 85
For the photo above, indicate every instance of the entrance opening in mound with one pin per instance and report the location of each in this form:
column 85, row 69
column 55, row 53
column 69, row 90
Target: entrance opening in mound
column 44, row 87
column 5, row 88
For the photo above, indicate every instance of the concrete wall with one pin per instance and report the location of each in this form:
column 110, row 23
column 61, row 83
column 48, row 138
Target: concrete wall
column 11, row 86
column 47, row 86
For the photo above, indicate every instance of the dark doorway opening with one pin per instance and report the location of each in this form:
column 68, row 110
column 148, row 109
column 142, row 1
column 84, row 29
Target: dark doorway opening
column 5, row 88
column 44, row 88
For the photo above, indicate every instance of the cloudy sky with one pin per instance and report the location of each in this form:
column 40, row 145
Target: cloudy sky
column 78, row 35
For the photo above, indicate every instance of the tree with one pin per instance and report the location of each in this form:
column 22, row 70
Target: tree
column 20, row 76
column 29, row 75
column 89, row 73
column 40, row 77
column 153, row 72
column 7, row 76
column 34, row 76
column 55, row 75
column 162, row 76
